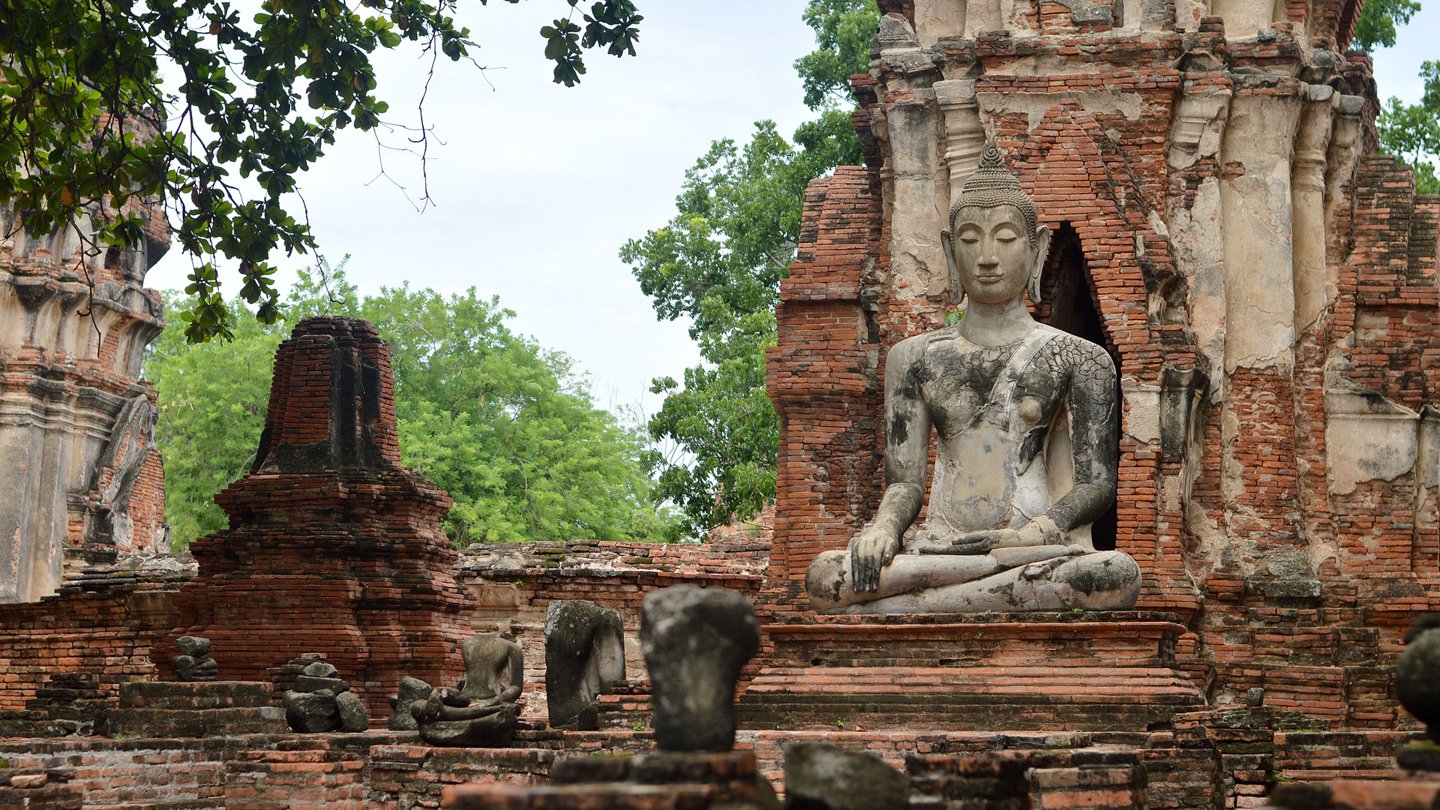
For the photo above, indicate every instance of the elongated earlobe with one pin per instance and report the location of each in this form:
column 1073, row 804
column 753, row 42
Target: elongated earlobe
column 1042, row 250
column 957, row 288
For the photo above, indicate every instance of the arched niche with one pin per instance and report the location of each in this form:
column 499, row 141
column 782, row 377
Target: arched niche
column 1068, row 301
column 1081, row 182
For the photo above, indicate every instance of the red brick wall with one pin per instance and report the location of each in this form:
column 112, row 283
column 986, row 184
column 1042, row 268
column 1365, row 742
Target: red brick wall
column 823, row 378
column 1319, row 640
column 101, row 630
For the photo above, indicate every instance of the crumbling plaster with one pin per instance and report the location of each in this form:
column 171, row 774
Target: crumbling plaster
column 74, row 324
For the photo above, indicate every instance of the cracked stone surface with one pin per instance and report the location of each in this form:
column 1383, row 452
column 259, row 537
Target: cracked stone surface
column 695, row 642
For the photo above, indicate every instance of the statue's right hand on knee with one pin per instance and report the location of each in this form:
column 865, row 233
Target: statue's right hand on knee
column 870, row 551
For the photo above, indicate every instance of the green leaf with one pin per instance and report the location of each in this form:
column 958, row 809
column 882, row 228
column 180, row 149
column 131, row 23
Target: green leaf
column 240, row 82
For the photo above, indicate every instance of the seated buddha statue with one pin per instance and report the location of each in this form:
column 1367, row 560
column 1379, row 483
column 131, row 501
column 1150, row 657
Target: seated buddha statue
column 1025, row 423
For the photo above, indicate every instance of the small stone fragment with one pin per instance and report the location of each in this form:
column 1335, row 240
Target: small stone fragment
column 353, row 715
column 695, row 642
column 310, row 683
column 195, row 646
column 29, row 781
column 311, row 712
column 320, row 669
column 320, row 702
column 819, row 776
column 410, row 690
column 584, row 656
column 193, row 663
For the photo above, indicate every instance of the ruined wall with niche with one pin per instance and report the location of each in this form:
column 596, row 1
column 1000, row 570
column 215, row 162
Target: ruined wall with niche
column 511, row 585
column 1265, row 281
column 76, row 419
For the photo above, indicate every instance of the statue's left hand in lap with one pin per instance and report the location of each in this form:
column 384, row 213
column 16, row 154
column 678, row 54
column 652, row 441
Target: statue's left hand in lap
column 1025, row 418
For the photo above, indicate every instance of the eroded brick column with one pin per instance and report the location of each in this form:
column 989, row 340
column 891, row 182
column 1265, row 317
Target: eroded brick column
column 1257, row 422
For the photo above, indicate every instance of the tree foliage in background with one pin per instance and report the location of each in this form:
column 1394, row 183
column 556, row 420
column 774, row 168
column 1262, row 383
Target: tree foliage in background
column 212, row 408
column 1380, row 21
column 1412, row 131
column 260, row 99
column 503, row 425
column 719, row 262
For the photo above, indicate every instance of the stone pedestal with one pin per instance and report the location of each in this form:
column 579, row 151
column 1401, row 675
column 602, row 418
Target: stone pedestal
column 662, row 781
column 333, row 546
column 1041, row 671
column 154, row 709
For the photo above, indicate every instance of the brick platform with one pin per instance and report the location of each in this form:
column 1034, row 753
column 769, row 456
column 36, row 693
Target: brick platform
column 1207, row 760
column 1349, row 794
column 1038, row 671
column 664, row 781
column 201, row 709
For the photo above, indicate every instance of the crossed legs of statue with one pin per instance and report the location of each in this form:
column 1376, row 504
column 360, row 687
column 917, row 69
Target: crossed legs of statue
column 1047, row 578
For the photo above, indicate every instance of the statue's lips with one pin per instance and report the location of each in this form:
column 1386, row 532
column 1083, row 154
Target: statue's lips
column 989, row 279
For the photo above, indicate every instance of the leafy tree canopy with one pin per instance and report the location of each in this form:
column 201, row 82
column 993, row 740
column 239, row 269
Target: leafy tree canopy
column 719, row 262
column 1380, row 21
column 1412, row 131
column 843, row 29
column 504, row 426
column 86, row 125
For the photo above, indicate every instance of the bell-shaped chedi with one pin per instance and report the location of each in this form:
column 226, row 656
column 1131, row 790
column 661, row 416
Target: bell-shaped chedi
column 333, row 546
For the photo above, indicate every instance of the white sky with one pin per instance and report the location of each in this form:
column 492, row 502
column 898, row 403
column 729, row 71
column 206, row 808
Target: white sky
column 537, row 186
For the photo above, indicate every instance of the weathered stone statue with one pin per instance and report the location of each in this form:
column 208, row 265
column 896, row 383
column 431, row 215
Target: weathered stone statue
column 194, row 662
column 410, row 690
column 1417, row 676
column 584, row 656
column 483, row 711
column 1026, row 455
column 695, row 642
column 322, row 702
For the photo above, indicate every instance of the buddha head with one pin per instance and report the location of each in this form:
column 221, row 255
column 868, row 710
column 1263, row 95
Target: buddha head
column 994, row 246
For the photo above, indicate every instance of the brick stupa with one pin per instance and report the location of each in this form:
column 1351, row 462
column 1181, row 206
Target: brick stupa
column 333, row 546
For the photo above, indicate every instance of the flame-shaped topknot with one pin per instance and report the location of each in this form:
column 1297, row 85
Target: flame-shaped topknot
column 993, row 185
column 991, row 157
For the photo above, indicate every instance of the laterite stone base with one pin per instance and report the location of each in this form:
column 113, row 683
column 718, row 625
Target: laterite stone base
column 196, row 709
column 1033, row 672
column 657, row 781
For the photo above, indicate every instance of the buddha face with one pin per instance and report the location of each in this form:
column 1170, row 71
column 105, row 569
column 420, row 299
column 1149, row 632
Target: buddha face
column 993, row 255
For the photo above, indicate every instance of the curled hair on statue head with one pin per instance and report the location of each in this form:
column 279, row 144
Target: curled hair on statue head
column 992, row 186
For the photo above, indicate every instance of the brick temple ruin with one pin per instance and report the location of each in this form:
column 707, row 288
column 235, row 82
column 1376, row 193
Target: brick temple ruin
column 76, row 419
column 1264, row 280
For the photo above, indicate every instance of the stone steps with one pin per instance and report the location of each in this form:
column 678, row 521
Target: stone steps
column 1007, row 673
column 163, row 723
column 195, row 694
column 160, row 709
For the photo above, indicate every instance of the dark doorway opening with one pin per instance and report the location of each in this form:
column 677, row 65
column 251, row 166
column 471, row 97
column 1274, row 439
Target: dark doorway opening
column 1068, row 302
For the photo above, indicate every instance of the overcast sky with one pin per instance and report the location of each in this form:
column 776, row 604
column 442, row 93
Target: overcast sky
column 536, row 186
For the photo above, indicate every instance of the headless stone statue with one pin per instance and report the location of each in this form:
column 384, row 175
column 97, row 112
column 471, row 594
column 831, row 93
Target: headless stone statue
column 483, row 712
column 1026, row 456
